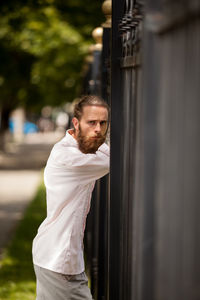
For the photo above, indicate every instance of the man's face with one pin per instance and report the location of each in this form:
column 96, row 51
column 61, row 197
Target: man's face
column 91, row 129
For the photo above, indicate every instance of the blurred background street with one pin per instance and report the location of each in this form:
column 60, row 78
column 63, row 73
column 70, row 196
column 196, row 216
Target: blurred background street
column 31, row 153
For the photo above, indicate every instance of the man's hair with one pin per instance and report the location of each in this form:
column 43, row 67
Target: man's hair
column 88, row 100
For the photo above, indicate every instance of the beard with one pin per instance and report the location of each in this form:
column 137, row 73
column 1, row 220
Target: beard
column 88, row 144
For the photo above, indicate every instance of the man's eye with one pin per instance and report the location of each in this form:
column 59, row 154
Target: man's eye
column 91, row 122
column 103, row 123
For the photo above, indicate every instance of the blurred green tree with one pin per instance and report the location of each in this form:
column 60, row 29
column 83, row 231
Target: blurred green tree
column 42, row 47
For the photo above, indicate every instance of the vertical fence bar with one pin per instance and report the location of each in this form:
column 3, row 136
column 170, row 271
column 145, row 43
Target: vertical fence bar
column 103, row 254
column 116, row 159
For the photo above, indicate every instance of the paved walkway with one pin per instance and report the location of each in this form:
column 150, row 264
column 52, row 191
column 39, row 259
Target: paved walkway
column 17, row 189
column 20, row 174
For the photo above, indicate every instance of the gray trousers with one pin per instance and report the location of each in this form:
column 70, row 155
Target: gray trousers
column 56, row 286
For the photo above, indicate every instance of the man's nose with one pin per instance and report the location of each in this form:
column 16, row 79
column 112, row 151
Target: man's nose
column 98, row 127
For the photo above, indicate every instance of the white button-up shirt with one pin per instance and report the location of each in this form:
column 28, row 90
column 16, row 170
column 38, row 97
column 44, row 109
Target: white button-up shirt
column 69, row 178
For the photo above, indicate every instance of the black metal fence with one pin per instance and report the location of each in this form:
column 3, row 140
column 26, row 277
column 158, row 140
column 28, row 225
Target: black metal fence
column 144, row 231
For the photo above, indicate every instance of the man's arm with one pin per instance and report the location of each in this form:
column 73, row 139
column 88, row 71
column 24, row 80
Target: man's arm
column 87, row 167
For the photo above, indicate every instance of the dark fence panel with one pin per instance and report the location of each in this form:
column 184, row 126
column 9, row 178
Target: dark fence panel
column 171, row 151
column 155, row 151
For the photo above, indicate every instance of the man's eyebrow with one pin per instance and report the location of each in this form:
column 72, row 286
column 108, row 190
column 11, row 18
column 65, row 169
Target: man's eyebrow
column 105, row 120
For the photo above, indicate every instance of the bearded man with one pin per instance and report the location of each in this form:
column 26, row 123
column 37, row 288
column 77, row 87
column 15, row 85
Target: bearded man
column 75, row 163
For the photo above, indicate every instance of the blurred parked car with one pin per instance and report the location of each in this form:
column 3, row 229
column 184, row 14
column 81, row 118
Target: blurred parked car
column 28, row 127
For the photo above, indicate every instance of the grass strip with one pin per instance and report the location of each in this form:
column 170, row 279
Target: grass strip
column 17, row 278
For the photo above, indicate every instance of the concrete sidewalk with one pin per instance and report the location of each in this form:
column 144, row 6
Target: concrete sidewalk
column 20, row 174
column 17, row 189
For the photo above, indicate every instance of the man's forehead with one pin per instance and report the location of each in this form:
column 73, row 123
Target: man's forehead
column 94, row 110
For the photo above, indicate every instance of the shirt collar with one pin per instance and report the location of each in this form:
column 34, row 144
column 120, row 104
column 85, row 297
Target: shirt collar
column 70, row 138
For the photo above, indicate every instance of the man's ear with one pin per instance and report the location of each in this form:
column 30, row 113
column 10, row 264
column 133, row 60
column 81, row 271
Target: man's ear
column 75, row 122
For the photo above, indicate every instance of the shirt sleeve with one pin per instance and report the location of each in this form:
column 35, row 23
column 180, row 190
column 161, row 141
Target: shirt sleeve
column 85, row 167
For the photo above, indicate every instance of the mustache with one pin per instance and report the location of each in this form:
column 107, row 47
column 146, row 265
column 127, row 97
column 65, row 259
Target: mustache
column 98, row 135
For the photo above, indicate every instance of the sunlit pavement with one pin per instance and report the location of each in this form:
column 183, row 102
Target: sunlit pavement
column 17, row 188
column 20, row 174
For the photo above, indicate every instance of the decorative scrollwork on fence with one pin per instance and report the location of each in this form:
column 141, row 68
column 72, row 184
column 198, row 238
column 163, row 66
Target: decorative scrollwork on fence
column 130, row 29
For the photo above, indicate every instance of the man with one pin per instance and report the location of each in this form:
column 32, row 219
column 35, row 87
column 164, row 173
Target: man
column 75, row 163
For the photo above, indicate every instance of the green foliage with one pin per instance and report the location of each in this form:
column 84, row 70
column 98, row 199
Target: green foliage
column 17, row 278
column 42, row 47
